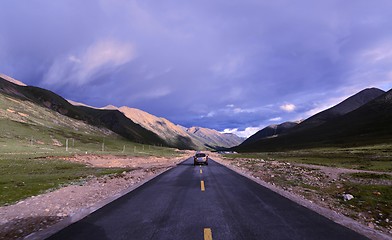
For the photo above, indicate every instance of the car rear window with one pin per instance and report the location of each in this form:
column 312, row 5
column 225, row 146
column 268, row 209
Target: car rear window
column 200, row 155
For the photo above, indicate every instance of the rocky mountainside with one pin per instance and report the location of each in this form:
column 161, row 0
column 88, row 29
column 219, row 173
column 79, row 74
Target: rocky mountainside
column 173, row 134
column 213, row 138
column 176, row 135
column 368, row 124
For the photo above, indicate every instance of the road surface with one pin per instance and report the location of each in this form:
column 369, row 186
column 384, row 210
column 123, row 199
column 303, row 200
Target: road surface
column 204, row 202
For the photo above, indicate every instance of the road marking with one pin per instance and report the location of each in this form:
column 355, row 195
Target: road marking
column 202, row 186
column 201, row 171
column 207, row 234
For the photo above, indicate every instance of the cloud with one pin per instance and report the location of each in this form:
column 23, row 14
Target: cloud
column 152, row 93
column 229, row 66
column 101, row 57
column 276, row 119
column 288, row 107
column 247, row 132
column 378, row 53
column 232, row 62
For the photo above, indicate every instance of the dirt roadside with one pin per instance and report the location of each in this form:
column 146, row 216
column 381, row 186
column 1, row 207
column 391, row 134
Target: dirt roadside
column 272, row 173
column 40, row 212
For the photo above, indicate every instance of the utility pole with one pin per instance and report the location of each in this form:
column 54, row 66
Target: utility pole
column 66, row 145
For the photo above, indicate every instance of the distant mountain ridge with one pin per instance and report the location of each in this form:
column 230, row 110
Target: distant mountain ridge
column 176, row 135
column 133, row 124
column 370, row 123
column 213, row 138
column 168, row 131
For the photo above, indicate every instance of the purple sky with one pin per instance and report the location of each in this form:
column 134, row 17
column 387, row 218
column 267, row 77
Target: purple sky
column 238, row 65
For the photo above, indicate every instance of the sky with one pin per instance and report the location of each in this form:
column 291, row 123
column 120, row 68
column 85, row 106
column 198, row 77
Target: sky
column 231, row 65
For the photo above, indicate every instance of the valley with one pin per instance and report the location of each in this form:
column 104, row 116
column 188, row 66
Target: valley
column 205, row 120
column 52, row 148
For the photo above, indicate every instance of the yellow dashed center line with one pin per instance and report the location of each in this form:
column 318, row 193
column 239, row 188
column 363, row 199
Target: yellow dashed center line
column 207, row 234
column 201, row 171
column 202, row 186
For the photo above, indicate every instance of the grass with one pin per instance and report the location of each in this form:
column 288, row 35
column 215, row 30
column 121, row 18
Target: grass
column 376, row 158
column 21, row 178
column 374, row 200
column 24, row 173
column 372, row 176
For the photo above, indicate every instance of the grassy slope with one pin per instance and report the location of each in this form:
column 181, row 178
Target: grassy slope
column 110, row 119
column 29, row 133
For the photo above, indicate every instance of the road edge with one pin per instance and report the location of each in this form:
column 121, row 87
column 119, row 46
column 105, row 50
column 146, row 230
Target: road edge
column 84, row 212
column 332, row 215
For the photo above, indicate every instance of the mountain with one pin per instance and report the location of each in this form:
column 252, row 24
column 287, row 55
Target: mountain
column 113, row 120
column 346, row 106
column 179, row 136
column 27, row 126
column 173, row 134
column 270, row 131
column 334, row 112
column 10, row 79
column 213, row 138
column 368, row 124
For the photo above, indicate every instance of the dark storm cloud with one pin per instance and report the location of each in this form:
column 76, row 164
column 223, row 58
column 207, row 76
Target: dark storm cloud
column 221, row 64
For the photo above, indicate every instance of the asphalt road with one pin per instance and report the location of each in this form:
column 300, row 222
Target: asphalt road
column 177, row 205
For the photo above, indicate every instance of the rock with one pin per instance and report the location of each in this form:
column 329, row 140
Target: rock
column 347, row 197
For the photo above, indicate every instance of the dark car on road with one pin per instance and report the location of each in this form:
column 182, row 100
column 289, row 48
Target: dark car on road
column 200, row 158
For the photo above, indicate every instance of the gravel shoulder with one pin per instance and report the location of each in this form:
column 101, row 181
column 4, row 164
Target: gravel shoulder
column 40, row 213
column 276, row 176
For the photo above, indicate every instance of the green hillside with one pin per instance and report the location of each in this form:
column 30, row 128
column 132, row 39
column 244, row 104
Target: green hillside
column 109, row 119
